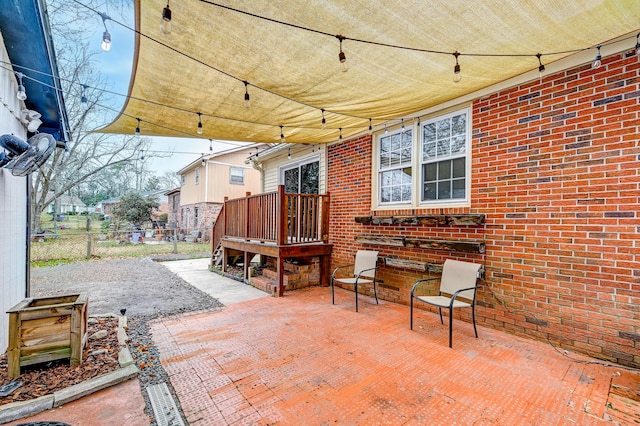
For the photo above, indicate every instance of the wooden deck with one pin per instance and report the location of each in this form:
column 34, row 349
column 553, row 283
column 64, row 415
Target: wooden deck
column 278, row 225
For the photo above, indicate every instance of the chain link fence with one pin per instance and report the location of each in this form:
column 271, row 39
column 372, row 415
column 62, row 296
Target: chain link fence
column 49, row 247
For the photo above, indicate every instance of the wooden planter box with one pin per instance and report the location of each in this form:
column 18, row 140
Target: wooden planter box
column 45, row 329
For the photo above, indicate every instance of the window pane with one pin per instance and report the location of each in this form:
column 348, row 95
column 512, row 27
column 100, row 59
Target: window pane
column 443, row 147
column 459, row 125
column 459, row 167
column 458, row 144
column 429, row 171
column 444, row 128
column 291, row 181
column 444, row 170
column 429, row 133
column 444, row 190
column 309, row 178
column 385, row 196
column 429, row 192
column 459, row 188
column 428, row 150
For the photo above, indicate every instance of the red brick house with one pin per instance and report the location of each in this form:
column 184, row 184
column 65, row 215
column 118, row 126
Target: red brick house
column 554, row 169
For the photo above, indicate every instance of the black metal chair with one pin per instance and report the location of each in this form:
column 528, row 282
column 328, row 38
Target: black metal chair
column 458, row 280
column 364, row 272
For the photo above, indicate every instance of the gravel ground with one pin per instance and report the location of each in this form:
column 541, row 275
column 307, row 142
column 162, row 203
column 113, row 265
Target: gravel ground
column 146, row 289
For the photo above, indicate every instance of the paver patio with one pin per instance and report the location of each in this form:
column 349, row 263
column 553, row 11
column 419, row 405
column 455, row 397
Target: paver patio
column 301, row 360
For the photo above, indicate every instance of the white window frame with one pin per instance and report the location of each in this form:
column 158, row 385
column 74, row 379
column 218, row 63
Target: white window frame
column 231, row 170
column 416, row 165
column 390, row 168
column 182, row 180
column 197, row 176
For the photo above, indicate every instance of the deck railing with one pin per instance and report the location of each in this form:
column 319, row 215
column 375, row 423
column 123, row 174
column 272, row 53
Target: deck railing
column 275, row 217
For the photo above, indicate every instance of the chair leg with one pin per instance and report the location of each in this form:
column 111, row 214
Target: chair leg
column 355, row 288
column 450, row 325
column 440, row 310
column 411, row 310
column 473, row 316
column 333, row 297
column 375, row 292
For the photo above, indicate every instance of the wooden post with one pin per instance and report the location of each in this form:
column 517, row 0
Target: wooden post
column 246, row 216
column 13, row 352
column 281, row 214
column 280, row 276
column 324, row 227
column 88, row 245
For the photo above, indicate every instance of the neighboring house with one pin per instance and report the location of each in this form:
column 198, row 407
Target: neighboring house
column 549, row 167
column 25, row 41
column 67, row 204
column 173, row 216
column 207, row 181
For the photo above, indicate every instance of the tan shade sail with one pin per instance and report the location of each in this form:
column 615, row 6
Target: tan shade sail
column 292, row 73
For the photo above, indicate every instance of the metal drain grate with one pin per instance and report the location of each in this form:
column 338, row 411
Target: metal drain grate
column 164, row 407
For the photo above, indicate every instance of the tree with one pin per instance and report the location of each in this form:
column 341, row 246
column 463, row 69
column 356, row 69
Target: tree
column 92, row 163
column 135, row 208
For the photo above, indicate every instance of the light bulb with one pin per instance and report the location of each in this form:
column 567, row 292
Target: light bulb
column 289, row 155
column 598, row 61
column 165, row 23
column 340, row 133
column 541, row 67
column 22, row 93
column 344, row 66
column 199, row 123
column 403, row 124
column 385, row 129
column 210, row 145
column 324, row 121
column 370, row 127
column 456, row 69
column 106, row 41
column 638, row 45
column 282, row 138
column 138, row 127
column 247, row 98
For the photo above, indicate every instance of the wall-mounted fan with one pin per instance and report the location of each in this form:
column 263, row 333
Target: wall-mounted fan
column 23, row 157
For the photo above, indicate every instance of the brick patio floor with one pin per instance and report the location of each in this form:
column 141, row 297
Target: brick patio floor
column 298, row 360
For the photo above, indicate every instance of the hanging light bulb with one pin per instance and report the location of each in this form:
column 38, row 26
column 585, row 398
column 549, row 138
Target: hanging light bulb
column 385, row 129
column 418, row 121
column 403, row 124
column 541, row 66
column 638, row 45
column 324, row 121
column 341, row 56
column 21, row 94
column 370, row 127
column 138, row 127
column 199, row 123
column 83, row 99
column 340, row 133
column 289, row 155
column 210, row 145
column 106, row 35
column 598, row 61
column 247, row 98
column 282, row 138
column 456, row 69
column 165, row 23
column 142, row 154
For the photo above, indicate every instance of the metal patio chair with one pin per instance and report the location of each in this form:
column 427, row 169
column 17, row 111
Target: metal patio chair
column 458, row 280
column 364, row 272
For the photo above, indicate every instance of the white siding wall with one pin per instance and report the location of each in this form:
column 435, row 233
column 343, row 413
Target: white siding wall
column 13, row 208
column 298, row 153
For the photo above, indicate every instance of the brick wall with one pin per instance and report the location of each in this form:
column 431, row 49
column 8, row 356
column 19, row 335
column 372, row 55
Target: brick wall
column 207, row 215
column 556, row 171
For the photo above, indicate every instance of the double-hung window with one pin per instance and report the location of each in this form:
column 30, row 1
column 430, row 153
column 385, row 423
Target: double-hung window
column 427, row 165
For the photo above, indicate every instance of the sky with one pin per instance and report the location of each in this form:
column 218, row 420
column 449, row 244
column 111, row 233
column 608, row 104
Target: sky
column 116, row 68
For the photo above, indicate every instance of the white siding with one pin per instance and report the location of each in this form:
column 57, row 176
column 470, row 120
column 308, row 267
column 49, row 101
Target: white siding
column 299, row 153
column 13, row 208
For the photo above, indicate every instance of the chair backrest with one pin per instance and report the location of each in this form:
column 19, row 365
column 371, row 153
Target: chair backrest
column 457, row 275
column 365, row 259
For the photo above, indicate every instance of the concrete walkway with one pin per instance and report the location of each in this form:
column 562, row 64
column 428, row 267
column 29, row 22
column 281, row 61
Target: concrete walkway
column 227, row 291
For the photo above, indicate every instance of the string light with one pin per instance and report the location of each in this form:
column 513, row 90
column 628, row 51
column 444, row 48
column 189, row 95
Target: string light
column 247, row 98
column 210, row 145
column 456, row 69
column 403, row 124
column 106, row 35
column 199, row 123
column 21, row 94
column 638, row 45
column 541, row 66
column 341, row 56
column 385, row 129
column 418, row 121
column 370, row 127
column 289, row 155
column 138, row 127
column 282, row 138
column 142, row 154
column 340, row 133
column 165, row 23
column 83, row 99
column 598, row 61
column 324, row 121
